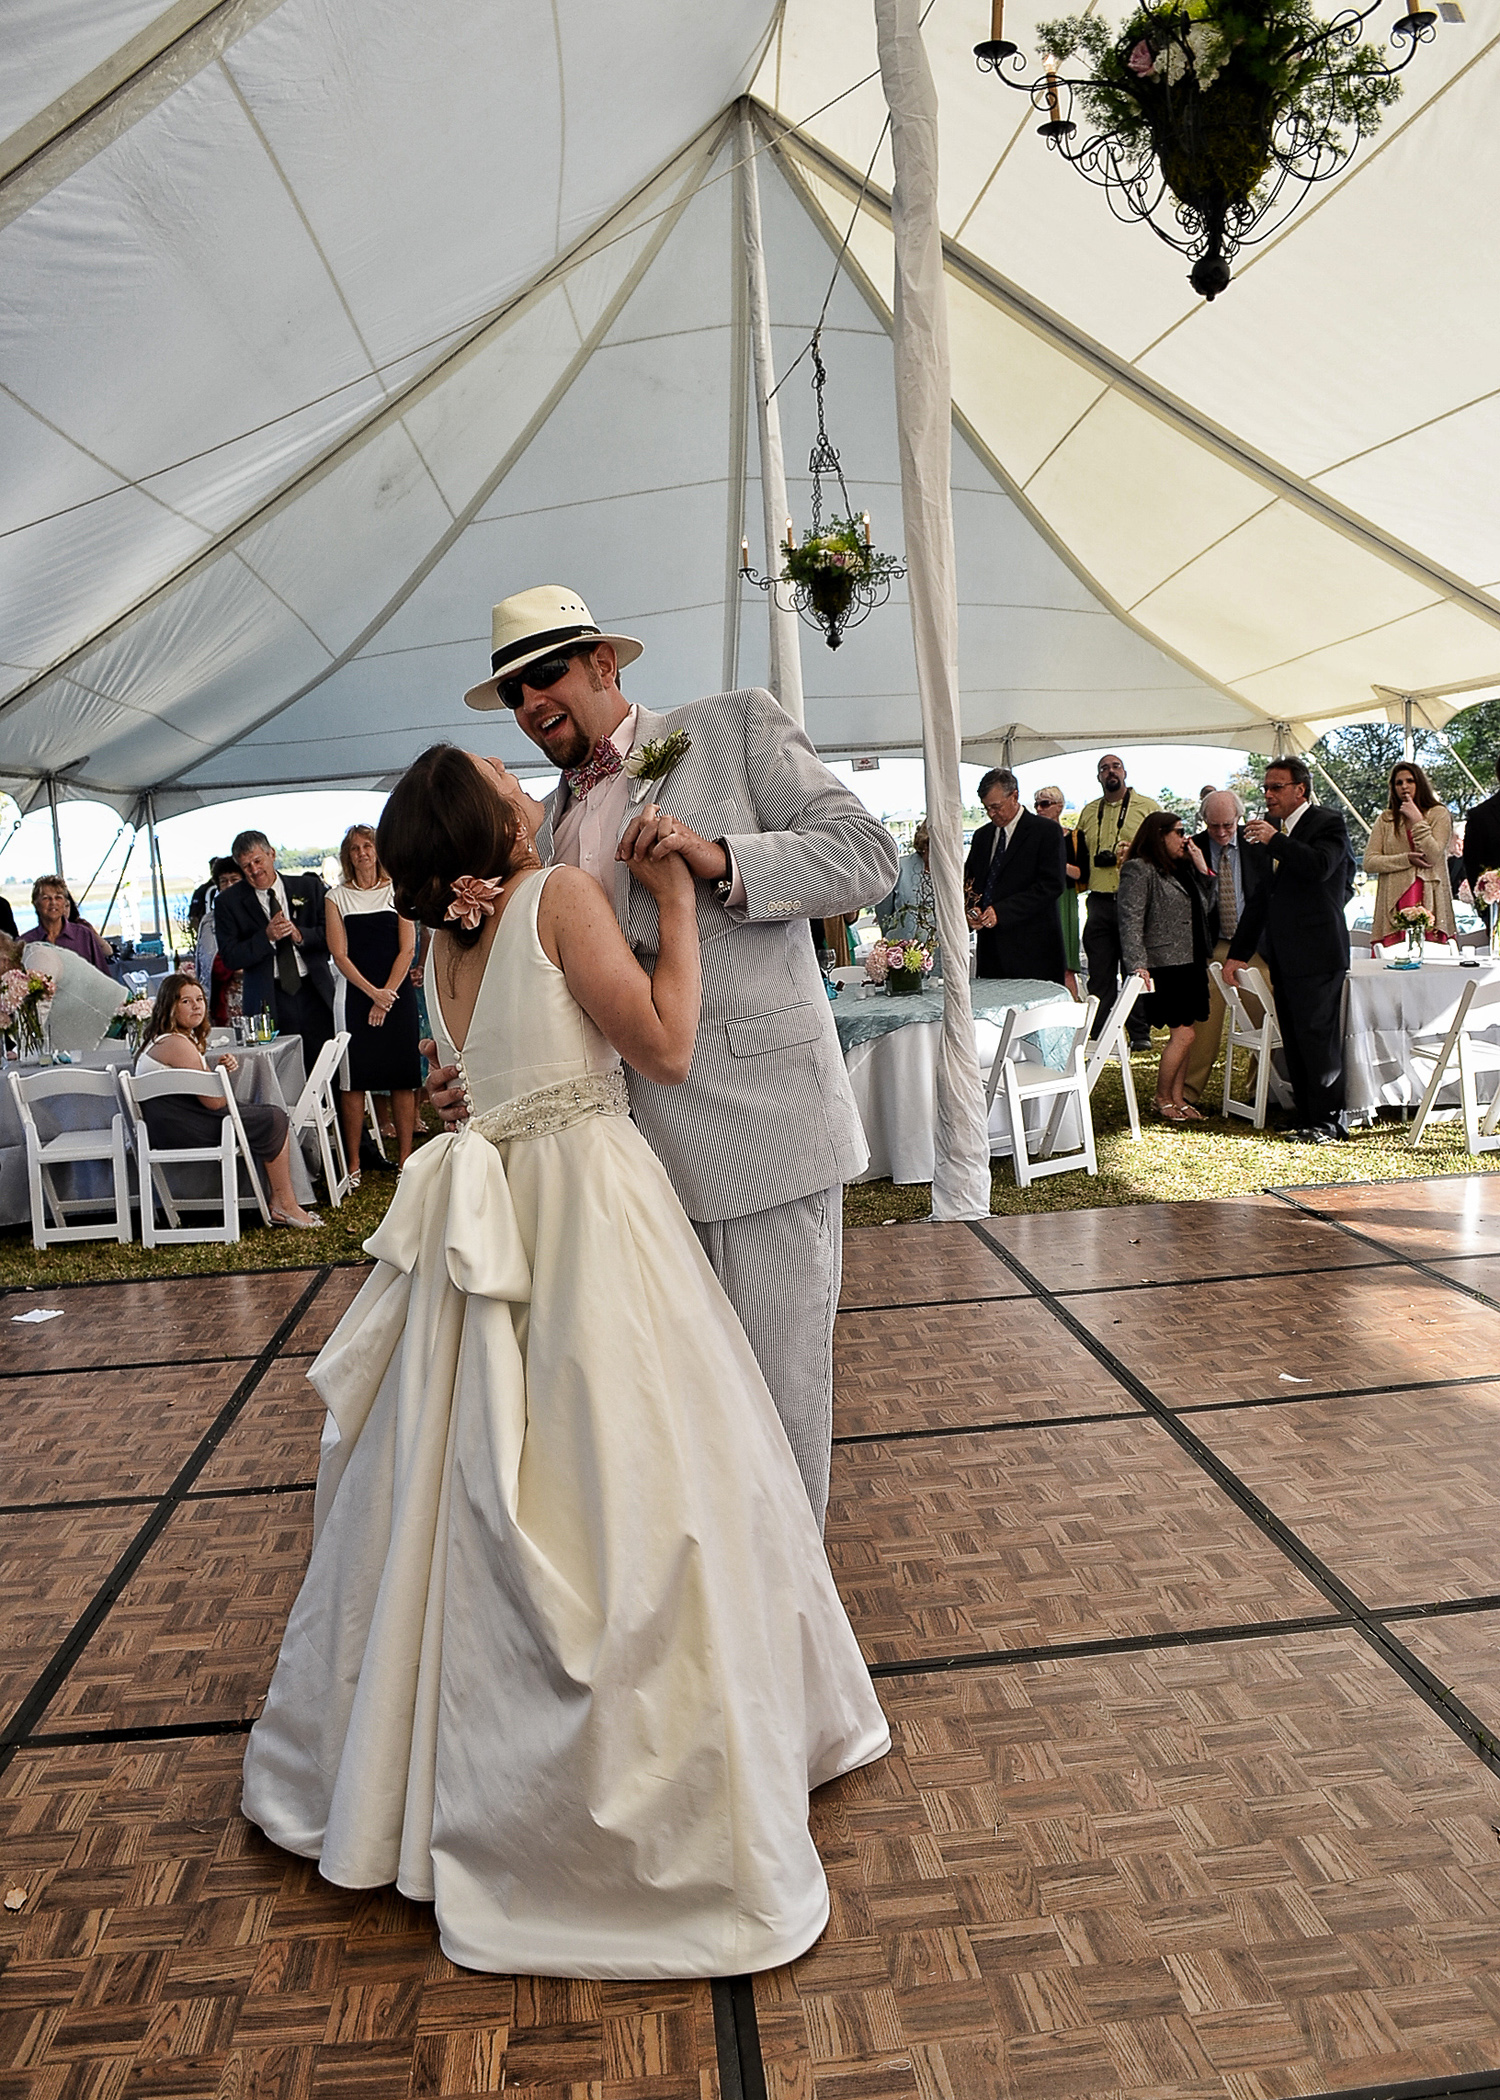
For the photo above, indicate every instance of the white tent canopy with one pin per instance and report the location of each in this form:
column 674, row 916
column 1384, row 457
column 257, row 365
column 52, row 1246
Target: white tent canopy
column 324, row 323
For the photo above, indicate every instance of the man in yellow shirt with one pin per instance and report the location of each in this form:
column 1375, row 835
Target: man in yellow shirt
column 1106, row 825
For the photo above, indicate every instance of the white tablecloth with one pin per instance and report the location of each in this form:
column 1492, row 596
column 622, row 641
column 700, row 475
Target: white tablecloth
column 273, row 1072
column 1386, row 1007
column 894, row 1080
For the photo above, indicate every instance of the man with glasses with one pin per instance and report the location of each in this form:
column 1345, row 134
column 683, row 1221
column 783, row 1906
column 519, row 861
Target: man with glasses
column 1238, row 869
column 760, row 1137
column 1108, row 825
column 1296, row 919
column 1013, row 878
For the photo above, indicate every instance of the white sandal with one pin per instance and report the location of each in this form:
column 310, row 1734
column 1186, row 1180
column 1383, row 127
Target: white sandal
column 311, row 1222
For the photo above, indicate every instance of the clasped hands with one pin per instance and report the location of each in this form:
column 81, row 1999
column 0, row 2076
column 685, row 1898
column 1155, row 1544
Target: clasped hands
column 281, row 929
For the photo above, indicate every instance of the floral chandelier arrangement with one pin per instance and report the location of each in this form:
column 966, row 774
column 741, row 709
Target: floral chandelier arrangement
column 1206, row 111
column 837, row 576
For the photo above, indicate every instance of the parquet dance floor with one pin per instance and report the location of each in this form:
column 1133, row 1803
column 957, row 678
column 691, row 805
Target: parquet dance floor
column 1172, row 1535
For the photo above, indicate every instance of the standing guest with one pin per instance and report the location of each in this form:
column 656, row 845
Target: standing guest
column 8, row 920
column 1049, row 804
column 176, row 1038
column 372, row 948
column 1164, row 894
column 200, row 909
column 274, row 928
column 1013, row 878
column 1408, row 851
column 910, row 913
column 206, row 946
column 1482, row 845
column 1108, row 825
column 1238, row 869
column 58, row 923
column 1296, row 920
column 764, row 1131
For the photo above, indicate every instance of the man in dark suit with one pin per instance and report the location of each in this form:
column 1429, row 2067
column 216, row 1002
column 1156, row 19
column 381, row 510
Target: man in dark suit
column 1013, row 877
column 272, row 927
column 1296, row 919
column 1482, row 843
column 1238, row 869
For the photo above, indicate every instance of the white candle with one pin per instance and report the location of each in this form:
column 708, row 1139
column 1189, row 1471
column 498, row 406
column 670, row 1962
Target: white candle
column 1052, row 110
column 745, row 554
column 791, row 537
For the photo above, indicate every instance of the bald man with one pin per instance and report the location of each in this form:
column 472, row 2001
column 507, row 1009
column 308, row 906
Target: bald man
column 1238, row 869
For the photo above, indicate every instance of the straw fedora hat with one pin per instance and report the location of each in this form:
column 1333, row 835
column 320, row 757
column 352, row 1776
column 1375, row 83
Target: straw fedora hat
column 537, row 623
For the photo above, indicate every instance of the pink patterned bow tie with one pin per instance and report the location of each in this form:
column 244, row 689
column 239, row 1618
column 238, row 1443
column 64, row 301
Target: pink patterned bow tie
column 602, row 764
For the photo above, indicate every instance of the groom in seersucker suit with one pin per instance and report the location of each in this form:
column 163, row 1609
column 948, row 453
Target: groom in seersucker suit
column 761, row 1135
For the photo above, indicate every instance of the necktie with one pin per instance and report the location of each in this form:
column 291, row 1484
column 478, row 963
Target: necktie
column 1229, row 911
column 286, row 951
column 997, row 861
column 603, row 762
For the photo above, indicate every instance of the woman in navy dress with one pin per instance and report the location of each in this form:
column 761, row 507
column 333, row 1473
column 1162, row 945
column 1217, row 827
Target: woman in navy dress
column 371, row 949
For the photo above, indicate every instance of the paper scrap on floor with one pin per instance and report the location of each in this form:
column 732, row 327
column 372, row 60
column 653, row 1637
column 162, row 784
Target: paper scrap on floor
column 34, row 1318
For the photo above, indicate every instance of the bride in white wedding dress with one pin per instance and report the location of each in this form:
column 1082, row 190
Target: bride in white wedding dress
column 568, row 1656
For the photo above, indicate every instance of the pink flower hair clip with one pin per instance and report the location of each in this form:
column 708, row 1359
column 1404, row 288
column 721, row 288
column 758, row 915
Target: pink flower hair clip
column 473, row 900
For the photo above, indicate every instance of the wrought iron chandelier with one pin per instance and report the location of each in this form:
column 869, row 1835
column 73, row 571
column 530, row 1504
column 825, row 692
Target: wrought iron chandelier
column 836, row 577
column 1207, row 112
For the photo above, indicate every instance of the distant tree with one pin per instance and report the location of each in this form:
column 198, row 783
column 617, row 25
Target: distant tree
column 1179, row 806
column 1475, row 736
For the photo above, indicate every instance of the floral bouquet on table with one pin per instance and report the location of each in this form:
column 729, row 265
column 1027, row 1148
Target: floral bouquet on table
column 899, row 965
column 134, row 1015
column 1416, row 922
column 1486, row 894
column 25, row 1003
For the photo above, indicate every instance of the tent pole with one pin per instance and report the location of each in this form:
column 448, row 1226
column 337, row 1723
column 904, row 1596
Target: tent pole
column 786, row 652
column 120, row 878
column 153, row 855
column 924, row 423
column 1408, row 740
column 56, row 832
column 81, row 901
column 739, row 429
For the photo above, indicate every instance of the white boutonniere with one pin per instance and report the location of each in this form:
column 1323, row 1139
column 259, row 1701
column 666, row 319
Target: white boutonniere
column 649, row 764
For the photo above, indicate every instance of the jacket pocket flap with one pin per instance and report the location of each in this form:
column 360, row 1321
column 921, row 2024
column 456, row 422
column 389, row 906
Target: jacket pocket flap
column 751, row 1035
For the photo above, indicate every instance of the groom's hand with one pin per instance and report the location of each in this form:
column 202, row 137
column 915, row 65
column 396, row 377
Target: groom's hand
column 444, row 1089
column 652, row 835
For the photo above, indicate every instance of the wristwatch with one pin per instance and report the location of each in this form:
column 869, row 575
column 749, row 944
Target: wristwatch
column 725, row 882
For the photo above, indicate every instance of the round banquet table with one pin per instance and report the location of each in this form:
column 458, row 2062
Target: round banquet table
column 1385, row 1009
column 890, row 1052
column 273, row 1072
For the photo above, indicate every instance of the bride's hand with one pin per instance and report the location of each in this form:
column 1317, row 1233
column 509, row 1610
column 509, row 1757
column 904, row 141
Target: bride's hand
column 669, row 880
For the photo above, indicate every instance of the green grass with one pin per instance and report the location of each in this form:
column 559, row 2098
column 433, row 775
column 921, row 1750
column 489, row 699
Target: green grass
column 1188, row 1164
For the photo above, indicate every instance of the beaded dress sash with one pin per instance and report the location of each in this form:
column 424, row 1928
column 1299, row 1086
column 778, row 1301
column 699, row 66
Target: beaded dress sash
column 552, row 1108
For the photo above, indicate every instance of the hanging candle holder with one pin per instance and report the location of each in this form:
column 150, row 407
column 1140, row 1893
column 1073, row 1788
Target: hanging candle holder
column 837, row 576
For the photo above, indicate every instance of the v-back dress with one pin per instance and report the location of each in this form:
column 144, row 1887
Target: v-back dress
column 568, row 1656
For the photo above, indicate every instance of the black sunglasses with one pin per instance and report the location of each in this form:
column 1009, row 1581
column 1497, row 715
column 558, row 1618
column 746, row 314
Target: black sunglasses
column 539, row 676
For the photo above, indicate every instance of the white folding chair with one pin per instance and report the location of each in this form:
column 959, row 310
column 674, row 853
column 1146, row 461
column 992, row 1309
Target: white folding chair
column 1259, row 1037
column 153, row 1161
column 317, row 1111
column 1113, row 1041
column 1042, row 1082
column 843, row 976
column 69, row 1148
column 1457, row 1052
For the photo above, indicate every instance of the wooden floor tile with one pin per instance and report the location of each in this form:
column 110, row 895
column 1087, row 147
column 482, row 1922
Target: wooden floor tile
column 195, row 1634
column 1251, row 1869
column 947, row 1366
column 275, row 1439
column 1399, row 1493
column 1449, row 1215
column 1090, row 1531
column 328, row 1308
column 51, row 1564
column 164, row 1943
column 1480, row 1272
column 920, row 1263
column 1173, row 1242
column 176, row 1322
column 1464, row 1651
column 74, row 1436
column 1264, row 1339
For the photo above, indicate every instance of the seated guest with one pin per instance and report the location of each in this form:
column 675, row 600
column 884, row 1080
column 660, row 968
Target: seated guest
column 273, row 928
column 58, row 923
column 1013, row 878
column 176, row 1038
column 909, row 912
column 1408, row 851
column 1164, row 894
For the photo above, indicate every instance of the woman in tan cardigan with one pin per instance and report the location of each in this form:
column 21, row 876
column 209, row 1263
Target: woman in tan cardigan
column 1409, row 845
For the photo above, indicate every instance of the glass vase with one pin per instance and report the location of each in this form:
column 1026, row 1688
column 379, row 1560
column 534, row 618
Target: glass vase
column 1495, row 933
column 901, row 984
column 1414, row 944
column 29, row 1032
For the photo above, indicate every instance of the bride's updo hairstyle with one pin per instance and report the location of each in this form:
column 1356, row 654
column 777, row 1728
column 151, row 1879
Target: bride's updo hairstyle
column 444, row 820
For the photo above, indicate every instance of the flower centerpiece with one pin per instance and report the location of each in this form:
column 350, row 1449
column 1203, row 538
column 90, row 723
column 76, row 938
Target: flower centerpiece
column 832, row 567
column 25, row 1003
column 899, row 965
column 134, row 1016
column 1416, row 922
